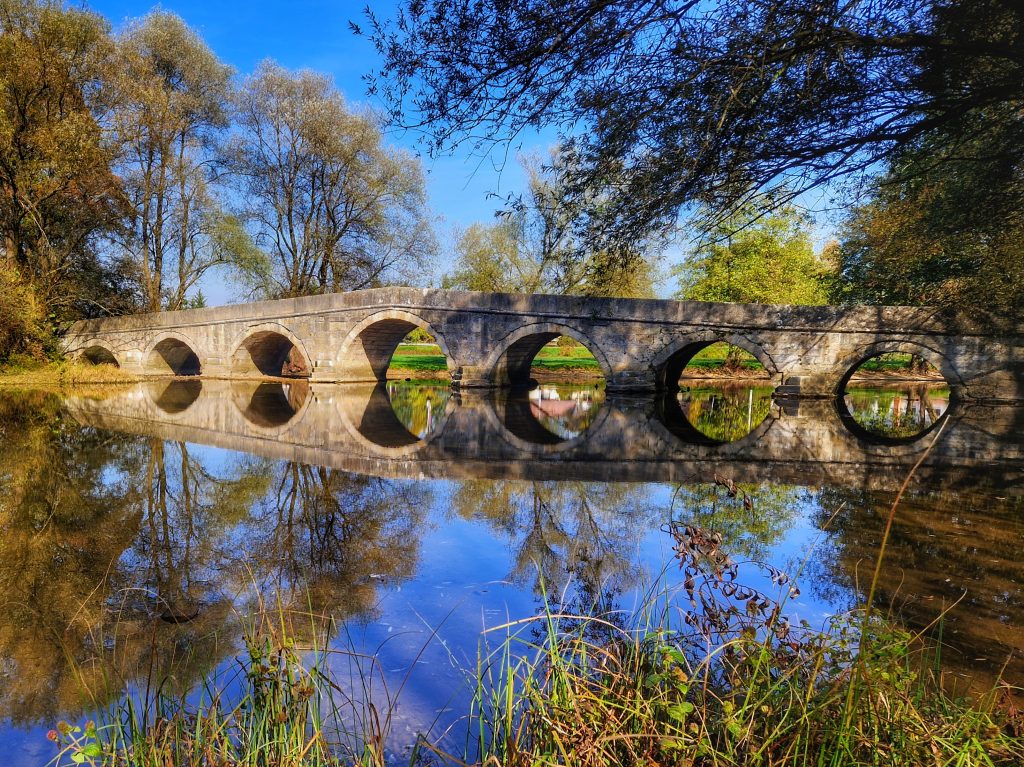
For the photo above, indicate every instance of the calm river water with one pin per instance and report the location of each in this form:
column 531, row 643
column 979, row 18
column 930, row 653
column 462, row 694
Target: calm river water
column 142, row 529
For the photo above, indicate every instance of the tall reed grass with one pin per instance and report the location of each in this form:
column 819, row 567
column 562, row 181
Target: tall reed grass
column 283, row 703
column 712, row 673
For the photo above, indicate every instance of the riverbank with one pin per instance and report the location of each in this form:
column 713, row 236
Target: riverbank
column 575, row 364
column 707, row 670
column 59, row 376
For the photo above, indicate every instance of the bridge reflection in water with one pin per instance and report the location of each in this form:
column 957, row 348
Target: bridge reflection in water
column 372, row 430
column 162, row 545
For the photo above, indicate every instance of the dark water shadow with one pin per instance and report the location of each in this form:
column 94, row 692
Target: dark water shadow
column 175, row 397
column 273, row 405
column 379, row 424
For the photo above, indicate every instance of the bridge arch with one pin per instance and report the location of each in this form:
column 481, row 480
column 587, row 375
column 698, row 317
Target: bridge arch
column 509, row 363
column 670, row 361
column 172, row 354
column 264, row 350
column 367, row 350
column 97, row 352
column 845, row 367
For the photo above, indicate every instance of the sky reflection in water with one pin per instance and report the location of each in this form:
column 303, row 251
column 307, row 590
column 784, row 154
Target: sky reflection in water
column 125, row 551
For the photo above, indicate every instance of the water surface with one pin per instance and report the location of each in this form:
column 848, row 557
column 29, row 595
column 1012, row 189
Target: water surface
column 141, row 529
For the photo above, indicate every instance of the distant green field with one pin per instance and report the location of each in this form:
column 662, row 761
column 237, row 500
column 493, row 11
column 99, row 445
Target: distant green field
column 428, row 358
column 888, row 362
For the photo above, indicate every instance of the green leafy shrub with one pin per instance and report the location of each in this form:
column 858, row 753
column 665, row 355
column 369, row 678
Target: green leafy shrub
column 23, row 332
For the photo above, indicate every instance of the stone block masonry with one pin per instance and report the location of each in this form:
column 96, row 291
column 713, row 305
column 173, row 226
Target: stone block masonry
column 490, row 339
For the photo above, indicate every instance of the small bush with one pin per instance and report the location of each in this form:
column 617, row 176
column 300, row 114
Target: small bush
column 23, row 333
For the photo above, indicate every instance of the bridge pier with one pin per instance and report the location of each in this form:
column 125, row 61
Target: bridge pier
column 473, row 377
column 641, row 381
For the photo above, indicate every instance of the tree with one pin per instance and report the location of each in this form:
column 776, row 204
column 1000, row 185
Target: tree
column 490, row 260
column 767, row 261
column 673, row 103
column 535, row 247
column 57, row 192
column 937, row 234
column 333, row 207
column 171, row 104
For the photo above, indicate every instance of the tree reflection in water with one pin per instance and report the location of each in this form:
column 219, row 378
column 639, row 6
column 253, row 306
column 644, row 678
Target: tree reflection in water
column 420, row 407
column 68, row 513
column 751, row 518
column 947, row 551
column 725, row 412
column 126, row 559
column 188, row 511
column 897, row 411
column 558, row 531
column 324, row 539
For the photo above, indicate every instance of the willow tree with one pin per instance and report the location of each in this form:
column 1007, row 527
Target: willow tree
column 333, row 207
column 673, row 103
column 171, row 104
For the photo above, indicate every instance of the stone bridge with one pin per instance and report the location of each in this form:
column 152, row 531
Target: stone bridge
column 490, row 339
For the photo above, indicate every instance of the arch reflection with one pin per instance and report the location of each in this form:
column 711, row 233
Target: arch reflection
column 715, row 414
column 550, row 414
column 397, row 415
column 894, row 413
column 422, row 408
column 175, row 397
column 272, row 405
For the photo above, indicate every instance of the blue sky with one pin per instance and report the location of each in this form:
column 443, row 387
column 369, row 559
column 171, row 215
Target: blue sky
column 315, row 34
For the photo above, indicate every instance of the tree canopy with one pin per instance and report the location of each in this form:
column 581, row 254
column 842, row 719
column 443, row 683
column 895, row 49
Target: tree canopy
column 667, row 104
column 769, row 260
column 535, row 246
column 333, row 207
column 57, row 191
column 170, row 107
column 942, row 234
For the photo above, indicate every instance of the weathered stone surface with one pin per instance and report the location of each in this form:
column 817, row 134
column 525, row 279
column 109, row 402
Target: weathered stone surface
column 490, row 338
